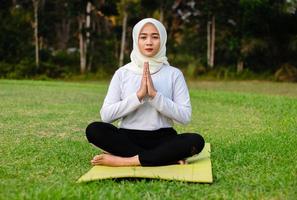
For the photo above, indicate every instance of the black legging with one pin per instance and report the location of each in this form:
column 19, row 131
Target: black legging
column 154, row 148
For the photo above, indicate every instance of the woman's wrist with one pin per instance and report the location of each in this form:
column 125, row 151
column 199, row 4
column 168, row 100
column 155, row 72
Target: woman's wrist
column 139, row 96
column 153, row 94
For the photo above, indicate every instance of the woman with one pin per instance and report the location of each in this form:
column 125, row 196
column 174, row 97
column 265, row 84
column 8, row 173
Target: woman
column 146, row 95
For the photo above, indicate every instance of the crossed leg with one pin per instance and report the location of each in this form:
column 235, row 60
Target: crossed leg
column 184, row 145
column 117, row 161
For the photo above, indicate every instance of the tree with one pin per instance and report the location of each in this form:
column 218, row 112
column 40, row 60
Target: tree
column 86, row 22
column 123, row 40
column 211, row 32
column 35, row 26
column 15, row 45
column 84, row 39
column 123, row 7
column 201, row 15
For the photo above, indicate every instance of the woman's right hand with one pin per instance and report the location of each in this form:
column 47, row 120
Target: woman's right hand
column 141, row 93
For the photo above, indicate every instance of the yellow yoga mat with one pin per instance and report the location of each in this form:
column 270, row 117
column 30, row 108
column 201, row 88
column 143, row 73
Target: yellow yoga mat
column 198, row 169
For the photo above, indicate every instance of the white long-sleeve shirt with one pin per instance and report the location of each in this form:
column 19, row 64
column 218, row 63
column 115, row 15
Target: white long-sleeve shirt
column 172, row 101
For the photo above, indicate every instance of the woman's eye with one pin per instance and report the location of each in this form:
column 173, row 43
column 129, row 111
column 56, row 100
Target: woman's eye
column 156, row 37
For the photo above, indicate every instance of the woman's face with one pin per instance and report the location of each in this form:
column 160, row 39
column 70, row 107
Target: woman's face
column 149, row 40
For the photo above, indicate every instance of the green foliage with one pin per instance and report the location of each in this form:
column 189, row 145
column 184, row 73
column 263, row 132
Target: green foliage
column 59, row 65
column 103, row 53
column 44, row 149
column 68, row 61
column 5, row 68
column 15, row 36
column 25, row 68
column 261, row 33
column 194, row 70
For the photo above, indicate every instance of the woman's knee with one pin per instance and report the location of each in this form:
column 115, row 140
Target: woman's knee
column 197, row 143
column 92, row 130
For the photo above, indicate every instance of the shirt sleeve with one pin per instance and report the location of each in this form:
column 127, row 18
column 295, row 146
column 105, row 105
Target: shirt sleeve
column 114, row 107
column 179, row 107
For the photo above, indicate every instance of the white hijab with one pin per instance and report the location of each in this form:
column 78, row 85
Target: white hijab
column 137, row 59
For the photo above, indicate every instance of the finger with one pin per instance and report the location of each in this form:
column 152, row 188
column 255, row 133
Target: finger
column 93, row 163
column 146, row 64
column 96, row 162
column 148, row 69
column 149, row 77
column 144, row 78
column 97, row 157
column 144, row 69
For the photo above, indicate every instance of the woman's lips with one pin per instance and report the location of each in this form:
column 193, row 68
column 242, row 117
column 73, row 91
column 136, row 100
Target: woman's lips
column 149, row 49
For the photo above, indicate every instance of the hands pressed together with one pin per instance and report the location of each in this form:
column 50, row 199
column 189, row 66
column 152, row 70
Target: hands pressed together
column 146, row 87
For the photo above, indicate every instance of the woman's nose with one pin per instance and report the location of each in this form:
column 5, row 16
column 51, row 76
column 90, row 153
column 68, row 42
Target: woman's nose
column 149, row 41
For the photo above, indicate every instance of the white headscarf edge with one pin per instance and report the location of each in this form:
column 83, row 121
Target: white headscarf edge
column 137, row 59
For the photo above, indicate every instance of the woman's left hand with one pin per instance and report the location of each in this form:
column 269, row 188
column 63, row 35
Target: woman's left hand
column 150, row 85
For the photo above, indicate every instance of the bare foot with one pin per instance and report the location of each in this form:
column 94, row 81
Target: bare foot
column 182, row 162
column 115, row 161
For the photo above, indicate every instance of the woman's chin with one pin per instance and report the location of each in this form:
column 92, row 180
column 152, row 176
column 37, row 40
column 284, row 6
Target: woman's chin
column 149, row 54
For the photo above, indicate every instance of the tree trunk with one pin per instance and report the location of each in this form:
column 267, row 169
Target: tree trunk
column 35, row 5
column 123, row 41
column 88, row 27
column 240, row 65
column 82, row 45
column 211, row 42
column 161, row 13
column 84, row 22
column 213, row 39
column 208, row 42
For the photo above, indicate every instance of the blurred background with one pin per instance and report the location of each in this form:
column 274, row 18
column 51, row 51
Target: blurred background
column 207, row 39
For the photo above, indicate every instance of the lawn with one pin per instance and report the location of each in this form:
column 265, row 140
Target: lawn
column 251, row 126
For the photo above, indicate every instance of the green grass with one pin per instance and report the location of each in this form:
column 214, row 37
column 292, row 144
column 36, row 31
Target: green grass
column 252, row 130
